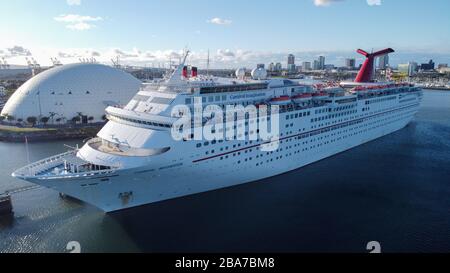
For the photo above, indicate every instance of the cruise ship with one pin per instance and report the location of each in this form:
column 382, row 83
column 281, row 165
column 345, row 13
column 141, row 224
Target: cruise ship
column 135, row 159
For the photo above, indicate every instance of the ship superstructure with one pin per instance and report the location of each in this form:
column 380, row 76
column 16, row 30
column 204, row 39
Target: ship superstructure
column 134, row 160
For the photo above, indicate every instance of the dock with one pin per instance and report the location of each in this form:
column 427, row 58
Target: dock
column 5, row 205
column 10, row 133
column 436, row 88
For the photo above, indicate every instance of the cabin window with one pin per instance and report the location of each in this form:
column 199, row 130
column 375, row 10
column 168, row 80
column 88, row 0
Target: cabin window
column 165, row 101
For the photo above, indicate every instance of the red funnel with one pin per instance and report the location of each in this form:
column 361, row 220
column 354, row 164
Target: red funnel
column 366, row 72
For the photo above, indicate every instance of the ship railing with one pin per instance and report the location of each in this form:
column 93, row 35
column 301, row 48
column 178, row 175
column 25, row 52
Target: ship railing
column 45, row 164
column 42, row 169
column 79, row 175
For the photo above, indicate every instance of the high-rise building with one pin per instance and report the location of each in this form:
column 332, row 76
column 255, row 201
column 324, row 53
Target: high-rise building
column 291, row 68
column 291, row 59
column 278, row 67
column 306, row 66
column 427, row 66
column 271, row 67
column 350, row 63
column 321, row 62
column 410, row 68
column 383, row 62
column 316, row 65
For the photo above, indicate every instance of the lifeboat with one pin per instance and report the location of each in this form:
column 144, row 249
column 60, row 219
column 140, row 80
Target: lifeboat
column 258, row 105
column 318, row 86
column 320, row 95
column 283, row 100
column 301, row 98
column 360, row 90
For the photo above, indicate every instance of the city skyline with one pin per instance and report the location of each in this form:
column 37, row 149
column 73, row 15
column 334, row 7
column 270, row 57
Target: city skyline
column 151, row 33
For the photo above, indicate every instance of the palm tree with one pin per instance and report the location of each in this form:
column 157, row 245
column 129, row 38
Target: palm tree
column 32, row 120
column 80, row 114
column 45, row 120
column 52, row 115
column 76, row 119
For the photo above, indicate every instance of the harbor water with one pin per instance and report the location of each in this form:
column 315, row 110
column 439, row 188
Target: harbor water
column 394, row 190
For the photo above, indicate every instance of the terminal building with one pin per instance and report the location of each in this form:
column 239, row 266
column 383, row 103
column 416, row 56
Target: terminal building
column 76, row 93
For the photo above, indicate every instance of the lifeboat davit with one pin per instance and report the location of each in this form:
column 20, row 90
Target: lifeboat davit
column 360, row 90
column 283, row 100
column 301, row 98
column 320, row 95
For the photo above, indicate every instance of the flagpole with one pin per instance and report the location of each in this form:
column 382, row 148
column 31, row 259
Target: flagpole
column 28, row 152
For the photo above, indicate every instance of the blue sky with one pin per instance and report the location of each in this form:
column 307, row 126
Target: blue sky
column 236, row 32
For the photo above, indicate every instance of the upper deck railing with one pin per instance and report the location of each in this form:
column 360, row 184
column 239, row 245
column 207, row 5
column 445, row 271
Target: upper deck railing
column 47, row 168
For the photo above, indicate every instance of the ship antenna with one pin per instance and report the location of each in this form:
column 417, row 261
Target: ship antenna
column 207, row 65
column 28, row 151
column 175, row 78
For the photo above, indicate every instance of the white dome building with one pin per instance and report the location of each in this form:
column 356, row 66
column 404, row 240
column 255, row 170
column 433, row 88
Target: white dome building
column 64, row 92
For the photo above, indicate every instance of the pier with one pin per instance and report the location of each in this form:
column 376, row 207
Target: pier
column 10, row 133
column 5, row 205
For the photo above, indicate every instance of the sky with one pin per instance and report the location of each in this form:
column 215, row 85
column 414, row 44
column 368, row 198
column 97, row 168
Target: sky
column 236, row 32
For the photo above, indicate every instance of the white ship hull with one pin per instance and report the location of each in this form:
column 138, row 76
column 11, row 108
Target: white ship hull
column 185, row 170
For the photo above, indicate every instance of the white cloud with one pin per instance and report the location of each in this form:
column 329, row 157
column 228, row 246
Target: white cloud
column 220, row 21
column 73, row 2
column 78, row 53
column 374, row 2
column 225, row 53
column 15, row 51
column 220, row 58
column 125, row 55
column 80, row 26
column 77, row 22
column 75, row 18
column 324, row 3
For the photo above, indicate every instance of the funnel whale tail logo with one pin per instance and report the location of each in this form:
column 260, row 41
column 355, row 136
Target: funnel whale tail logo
column 366, row 72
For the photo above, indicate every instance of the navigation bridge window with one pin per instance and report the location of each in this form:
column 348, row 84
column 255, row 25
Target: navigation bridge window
column 105, row 146
column 233, row 88
column 138, row 121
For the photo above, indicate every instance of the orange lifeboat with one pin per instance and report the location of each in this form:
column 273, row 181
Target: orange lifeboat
column 258, row 105
column 300, row 98
column 281, row 100
column 320, row 95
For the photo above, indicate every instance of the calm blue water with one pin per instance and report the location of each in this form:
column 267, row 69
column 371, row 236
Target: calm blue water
column 394, row 190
